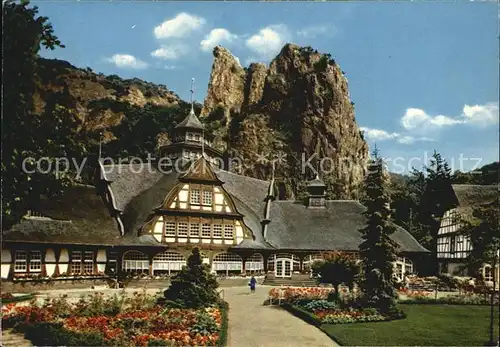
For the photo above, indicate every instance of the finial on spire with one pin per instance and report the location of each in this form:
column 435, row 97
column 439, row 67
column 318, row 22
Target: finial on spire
column 192, row 94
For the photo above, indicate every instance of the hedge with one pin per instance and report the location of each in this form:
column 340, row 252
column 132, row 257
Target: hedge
column 224, row 308
column 17, row 298
column 302, row 314
column 53, row 334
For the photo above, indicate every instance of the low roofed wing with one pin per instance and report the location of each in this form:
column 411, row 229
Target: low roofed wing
column 79, row 216
column 294, row 226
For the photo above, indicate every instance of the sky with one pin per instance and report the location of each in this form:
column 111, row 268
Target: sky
column 423, row 75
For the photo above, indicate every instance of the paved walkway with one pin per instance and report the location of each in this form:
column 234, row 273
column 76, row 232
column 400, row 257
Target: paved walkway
column 251, row 324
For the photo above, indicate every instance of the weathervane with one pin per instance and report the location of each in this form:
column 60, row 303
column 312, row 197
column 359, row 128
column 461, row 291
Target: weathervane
column 192, row 94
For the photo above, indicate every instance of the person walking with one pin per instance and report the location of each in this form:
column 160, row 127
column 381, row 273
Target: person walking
column 252, row 284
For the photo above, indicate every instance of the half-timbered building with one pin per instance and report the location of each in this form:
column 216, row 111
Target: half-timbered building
column 453, row 246
column 142, row 218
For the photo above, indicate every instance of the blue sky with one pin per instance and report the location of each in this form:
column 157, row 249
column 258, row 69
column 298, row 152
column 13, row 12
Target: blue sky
column 422, row 75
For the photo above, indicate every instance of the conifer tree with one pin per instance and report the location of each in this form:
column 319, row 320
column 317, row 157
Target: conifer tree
column 377, row 250
column 194, row 286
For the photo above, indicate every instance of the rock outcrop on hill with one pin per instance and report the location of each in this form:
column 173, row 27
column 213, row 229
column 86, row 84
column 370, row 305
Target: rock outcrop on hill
column 296, row 109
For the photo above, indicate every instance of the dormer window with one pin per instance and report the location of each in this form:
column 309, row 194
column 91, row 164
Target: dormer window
column 195, row 197
column 207, row 198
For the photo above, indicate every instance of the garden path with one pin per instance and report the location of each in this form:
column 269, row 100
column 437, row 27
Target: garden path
column 251, row 324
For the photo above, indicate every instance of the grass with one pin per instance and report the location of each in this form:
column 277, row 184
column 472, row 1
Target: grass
column 426, row 325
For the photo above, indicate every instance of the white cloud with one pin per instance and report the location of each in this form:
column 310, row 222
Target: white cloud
column 127, row 61
column 316, row 30
column 170, row 52
column 378, row 134
column 481, row 114
column 179, row 26
column 269, row 40
column 216, row 37
column 382, row 135
column 418, row 119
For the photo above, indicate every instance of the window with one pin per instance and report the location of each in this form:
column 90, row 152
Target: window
column 205, row 230
column 195, row 197
column 88, row 262
column 182, row 229
column 452, row 244
column 170, row 229
column 488, row 274
column 112, row 258
column 76, row 262
column 20, row 262
column 228, row 231
column 207, row 198
column 36, row 261
column 194, row 230
column 135, row 261
column 197, row 137
column 218, row 230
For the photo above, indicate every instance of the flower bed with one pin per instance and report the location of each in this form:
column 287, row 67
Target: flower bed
column 136, row 321
column 466, row 299
column 311, row 305
column 300, row 293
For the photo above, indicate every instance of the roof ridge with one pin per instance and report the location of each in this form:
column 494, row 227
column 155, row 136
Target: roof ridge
column 235, row 174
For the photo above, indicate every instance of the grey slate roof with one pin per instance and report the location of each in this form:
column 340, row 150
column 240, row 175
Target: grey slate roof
column 79, row 217
column 191, row 121
column 294, row 226
column 473, row 195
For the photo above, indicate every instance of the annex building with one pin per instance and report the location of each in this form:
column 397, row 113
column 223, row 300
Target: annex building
column 145, row 220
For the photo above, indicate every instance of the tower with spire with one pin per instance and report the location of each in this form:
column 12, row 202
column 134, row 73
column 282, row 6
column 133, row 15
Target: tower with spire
column 190, row 141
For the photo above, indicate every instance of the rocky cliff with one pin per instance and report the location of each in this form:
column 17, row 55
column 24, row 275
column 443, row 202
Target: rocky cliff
column 296, row 111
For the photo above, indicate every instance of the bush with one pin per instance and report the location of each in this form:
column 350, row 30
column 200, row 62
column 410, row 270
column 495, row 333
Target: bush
column 194, row 286
column 53, row 334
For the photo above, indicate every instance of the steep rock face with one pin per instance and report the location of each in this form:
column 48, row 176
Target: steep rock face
column 295, row 112
column 227, row 82
column 82, row 89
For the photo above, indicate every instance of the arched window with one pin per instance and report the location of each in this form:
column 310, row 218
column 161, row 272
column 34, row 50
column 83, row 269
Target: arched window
column 309, row 260
column 254, row 263
column 227, row 263
column 135, row 261
column 166, row 262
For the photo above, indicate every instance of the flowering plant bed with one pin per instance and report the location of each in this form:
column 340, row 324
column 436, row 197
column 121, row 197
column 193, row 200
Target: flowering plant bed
column 464, row 299
column 289, row 294
column 116, row 321
column 311, row 305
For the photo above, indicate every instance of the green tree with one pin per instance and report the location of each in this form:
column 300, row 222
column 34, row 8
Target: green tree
column 336, row 268
column 26, row 134
column 436, row 199
column 194, row 286
column 377, row 250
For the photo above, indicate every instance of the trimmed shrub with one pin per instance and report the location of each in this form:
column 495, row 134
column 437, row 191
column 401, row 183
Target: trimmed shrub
column 53, row 334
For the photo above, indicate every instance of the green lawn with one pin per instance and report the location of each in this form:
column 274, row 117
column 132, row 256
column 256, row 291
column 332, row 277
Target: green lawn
column 426, row 325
